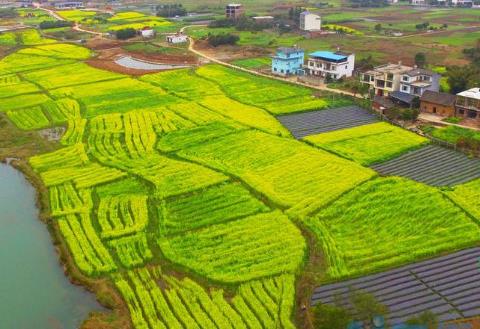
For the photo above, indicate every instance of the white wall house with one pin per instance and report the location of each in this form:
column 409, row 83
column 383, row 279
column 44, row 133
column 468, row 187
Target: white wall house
column 177, row 38
column 334, row 65
column 310, row 21
column 147, row 32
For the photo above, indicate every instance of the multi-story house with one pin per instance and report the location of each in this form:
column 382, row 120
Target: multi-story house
column 330, row 64
column 416, row 81
column 467, row 104
column 310, row 21
column 397, row 78
column 234, row 10
column 288, row 61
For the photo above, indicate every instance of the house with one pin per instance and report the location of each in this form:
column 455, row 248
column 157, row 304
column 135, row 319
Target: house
column 438, row 103
column 467, row 104
column 418, row 2
column 263, row 19
column 234, row 11
column 147, row 32
column 310, row 21
column 388, row 78
column 177, row 38
column 417, row 81
column 462, row 3
column 69, row 5
column 288, row 61
column 330, row 64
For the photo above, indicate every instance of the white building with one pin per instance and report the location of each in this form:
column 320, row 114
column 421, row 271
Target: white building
column 147, row 32
column 329, row 64
column 310, row 21
column 462, row 3
column 177, row 38
column 418, row 2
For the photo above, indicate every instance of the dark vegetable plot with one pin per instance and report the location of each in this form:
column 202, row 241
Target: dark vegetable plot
column 433, row 165
column 449, row 286
column 315, row 122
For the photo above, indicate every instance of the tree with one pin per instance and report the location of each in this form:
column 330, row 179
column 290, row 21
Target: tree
column 330, row 317
column 378, row 28
column 426, row 318
column 54, row 24
column 216, row 40
column 461, row 78
column 366, row 307
column 124, row 34
column 421, row 60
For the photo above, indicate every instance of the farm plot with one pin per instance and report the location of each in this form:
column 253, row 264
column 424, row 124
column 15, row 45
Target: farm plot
column 388, row 222
column 315, row 122
column 183, row 303
column 467, row 196
column 448, row 286
column 263, row 245
column 12, row 85
column 292, row 175
column 274, row 96
column 433, row 165
column 368, row 144
column 214, row 205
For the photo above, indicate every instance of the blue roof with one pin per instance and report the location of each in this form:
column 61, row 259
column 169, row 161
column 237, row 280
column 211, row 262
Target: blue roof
column 328, row 55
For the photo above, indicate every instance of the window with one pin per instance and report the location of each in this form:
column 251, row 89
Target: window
column 472, row 114
column 389, row 85
column 389, row 76
column 434, row 109
column 404, row 88
column 282, row 71
column 405, row 78
column 461, row 111
column 275, row 69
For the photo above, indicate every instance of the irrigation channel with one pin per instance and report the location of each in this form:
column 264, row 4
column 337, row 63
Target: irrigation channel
column 34, row 292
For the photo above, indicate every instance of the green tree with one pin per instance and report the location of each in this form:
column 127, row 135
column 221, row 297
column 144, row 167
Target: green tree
column 421, row 60
column 330, row 317
column 426, row 318
column 378, row 28
column 124, row 34
column 461, row 78
column 366, row 307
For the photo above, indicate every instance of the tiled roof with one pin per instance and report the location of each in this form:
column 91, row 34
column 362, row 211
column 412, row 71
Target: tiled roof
column 438, row 98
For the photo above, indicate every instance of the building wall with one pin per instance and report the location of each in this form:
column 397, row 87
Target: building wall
column 282, row 65
column 337, row 71
column 310, row 22
column 446, row 111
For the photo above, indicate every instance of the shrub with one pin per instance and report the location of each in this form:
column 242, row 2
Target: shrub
column 124, row 34
column 222, row 39
column 54, row 24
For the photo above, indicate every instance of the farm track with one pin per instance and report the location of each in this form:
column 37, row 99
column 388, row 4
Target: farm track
column 449, row 286
column 433, row 165
column 315, row 122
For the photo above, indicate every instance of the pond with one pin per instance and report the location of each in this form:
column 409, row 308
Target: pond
column 137, row 64
column 34, row 292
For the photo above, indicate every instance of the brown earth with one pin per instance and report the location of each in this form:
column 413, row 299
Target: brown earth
column 108, row 50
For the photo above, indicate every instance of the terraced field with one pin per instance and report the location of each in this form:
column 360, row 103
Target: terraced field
column 449, row 286
column 433, row 165
column 316, row 122
column 184, row 192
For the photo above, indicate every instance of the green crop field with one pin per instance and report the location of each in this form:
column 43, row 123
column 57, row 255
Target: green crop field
column 388, row 222
column 184, row 193
column 368, row 144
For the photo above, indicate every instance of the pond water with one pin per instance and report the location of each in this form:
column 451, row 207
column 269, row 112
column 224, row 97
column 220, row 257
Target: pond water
column 133, row 63
column 34, row 292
